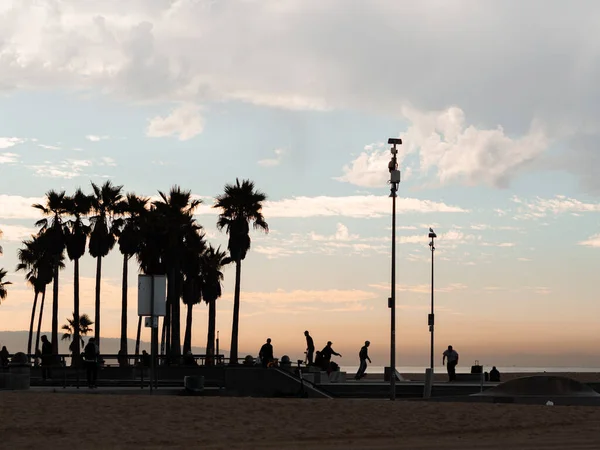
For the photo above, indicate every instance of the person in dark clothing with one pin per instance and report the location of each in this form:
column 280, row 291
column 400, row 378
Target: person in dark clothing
column 146, row 361
column 266, row 353
column 4, row 357
column 46, row 358
column 495, row 375
column 319, row 359
column 327, row 352
column 90, row 358
column 310, row 348
column 452, row 356
column 363, row 355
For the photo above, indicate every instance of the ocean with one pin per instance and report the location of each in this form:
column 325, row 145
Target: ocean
column 467, row 369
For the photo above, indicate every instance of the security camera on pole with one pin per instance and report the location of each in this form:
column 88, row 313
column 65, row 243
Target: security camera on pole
column 394, row 182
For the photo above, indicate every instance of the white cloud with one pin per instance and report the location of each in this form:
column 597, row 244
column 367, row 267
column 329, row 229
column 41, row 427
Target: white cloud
column 272, row 162
column 592, row 241
column 420, row 288
column 67, row 169
column 96, row 138
column 185, row 121
column 8, row 158
column 455, row 151
column 49, row 147
column 560, row 204
column 6, row 142
column 16, row 232
column 342, row 234
column 107, row 161
column 17, row 207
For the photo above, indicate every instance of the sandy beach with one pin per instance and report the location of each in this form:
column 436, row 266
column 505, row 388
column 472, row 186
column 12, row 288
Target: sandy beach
column 30, row 419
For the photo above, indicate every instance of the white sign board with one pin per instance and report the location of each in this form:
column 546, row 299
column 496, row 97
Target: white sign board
column 145, row 293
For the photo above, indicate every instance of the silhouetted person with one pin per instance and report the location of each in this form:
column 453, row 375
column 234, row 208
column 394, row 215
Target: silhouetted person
column 494, row 375
column 189, row 360
column 146, row 361
column 452, row 357
column 122, row 359
column 319, row 360
column 310, row 348
column 363, row 355
column 4, row 357
column 90, row 359
column 46, row 358
column 326, row 353
column 266, row 353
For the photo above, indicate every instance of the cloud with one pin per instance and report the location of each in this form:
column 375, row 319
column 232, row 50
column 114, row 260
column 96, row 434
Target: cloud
column 592, row 241
column 49, row 147
column 185, row 121
column 359, row 206
column 16, row 232
column 370, row 168
column 8, row 158
column 70, row 168
column 6, row 142
column 560, row 204
column 341, row 234
column 96, row 138
column 17, row 207
column 420, row 288
column 272, row 162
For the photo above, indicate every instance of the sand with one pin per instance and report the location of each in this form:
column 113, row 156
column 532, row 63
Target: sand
column 53, row 420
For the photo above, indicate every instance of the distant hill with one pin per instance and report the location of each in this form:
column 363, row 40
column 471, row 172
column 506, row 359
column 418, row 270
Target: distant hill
column 16, row 341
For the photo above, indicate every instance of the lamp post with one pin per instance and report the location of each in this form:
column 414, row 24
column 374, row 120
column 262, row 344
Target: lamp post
column 431, row 320
column 394, row 181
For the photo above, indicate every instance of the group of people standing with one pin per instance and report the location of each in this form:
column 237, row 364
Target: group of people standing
column 321, row 359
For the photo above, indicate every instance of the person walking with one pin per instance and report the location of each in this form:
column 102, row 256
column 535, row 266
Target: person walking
column 90, row 355
column 46, row 358
column 452, row 356
column 363, row 355
column 310, row 348
column 266, row 353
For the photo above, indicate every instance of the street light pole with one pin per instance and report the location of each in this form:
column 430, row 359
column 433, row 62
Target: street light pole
column 394, row 181
column 432, row 236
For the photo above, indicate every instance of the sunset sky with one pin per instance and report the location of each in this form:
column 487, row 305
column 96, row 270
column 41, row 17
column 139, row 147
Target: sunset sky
column 497, row 103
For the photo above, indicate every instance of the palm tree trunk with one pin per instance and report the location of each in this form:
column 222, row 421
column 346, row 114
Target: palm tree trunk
column 97, row 313
column 175, row 316
column 187, row 341
column 212, row 324
column 76, row 326
column 124, row 309
column 39, row 327
column 55, row 310
column 29, row 341
column 233, row 352
column 137, row 338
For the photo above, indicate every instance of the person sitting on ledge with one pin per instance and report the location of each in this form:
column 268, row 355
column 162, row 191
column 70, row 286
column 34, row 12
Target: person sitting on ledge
column 495, row 375
column 188, row 359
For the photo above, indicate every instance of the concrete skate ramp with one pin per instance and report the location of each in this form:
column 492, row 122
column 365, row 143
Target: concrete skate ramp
column 540, row 386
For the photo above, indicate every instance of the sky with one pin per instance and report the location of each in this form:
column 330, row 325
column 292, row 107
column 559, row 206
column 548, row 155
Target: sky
column 496, row 103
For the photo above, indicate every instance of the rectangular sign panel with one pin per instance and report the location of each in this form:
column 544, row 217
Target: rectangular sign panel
column 145, row 293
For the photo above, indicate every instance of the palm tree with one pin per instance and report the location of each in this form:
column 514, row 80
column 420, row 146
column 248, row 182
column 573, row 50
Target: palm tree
column 191, row 292
column 52, row 228
column 212, row 263
column 129, row 234
column 3, row 284
column 74, row 329
column 240, row 204
column 76, row 234
column 176, row 212
column 37, row 262
column 102, row 237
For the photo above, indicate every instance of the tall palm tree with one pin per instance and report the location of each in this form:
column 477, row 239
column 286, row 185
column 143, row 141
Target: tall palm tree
column 52, row 227
column 76, row 234
column 129, row 233
column 176, row 210
column 240, row 205
column 3, row 284
column 37, row 262
column 212, row 263
column 74, row 329
column 102, row 237
column 191, row 292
